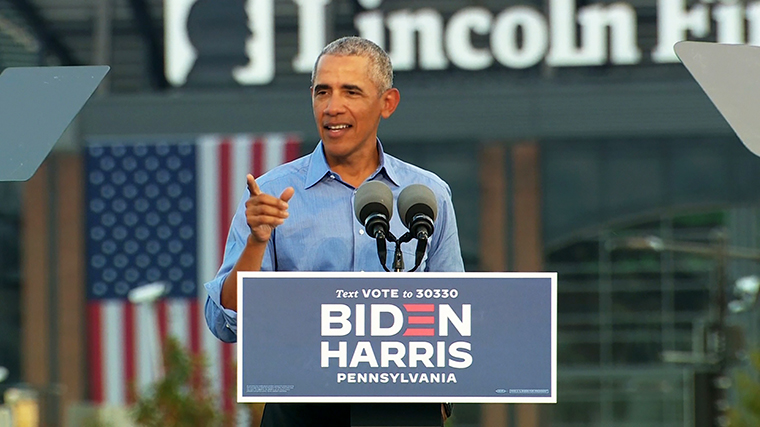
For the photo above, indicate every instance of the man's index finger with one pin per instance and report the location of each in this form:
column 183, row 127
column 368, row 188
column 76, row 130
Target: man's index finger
column 253, row 188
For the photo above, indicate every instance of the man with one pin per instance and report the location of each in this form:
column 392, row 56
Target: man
column 310, row 226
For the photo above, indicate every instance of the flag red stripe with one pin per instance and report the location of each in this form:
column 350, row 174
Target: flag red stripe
column 228, row 378
column 419, row 332
column 419, row 307
column 163, row 324
column 258, row 157
column 95, row 351
column 129, row 351
column 421, row 320
column 225, row 166
column 195, row 325
column 292, row 148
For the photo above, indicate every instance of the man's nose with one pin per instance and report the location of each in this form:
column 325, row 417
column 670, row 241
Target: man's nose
column 334, row 105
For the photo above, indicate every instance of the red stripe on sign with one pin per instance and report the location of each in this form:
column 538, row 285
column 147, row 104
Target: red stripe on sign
column 419, row 332
column 163, row 324
column 228, row 378
column 292, row 148
column 95, row 350
column 421, row 320
column 129, row 352
column 258, row 157
column 419, row 307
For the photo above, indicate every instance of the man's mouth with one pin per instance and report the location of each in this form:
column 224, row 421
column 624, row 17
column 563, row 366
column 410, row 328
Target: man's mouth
column 337, row 127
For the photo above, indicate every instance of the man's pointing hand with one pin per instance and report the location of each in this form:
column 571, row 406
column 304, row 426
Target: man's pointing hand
column 264, row 212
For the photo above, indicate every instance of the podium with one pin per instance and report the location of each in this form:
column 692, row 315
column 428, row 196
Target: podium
column 396, row 345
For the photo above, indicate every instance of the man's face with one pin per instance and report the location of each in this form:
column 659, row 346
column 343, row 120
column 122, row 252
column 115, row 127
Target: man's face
column 348, row 106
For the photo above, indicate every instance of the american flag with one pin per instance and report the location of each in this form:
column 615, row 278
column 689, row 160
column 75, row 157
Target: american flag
column 158, row 210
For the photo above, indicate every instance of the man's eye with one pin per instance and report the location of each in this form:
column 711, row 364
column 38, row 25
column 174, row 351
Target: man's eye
column 353, row 92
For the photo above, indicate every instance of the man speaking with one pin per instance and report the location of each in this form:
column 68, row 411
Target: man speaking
column 300, row 216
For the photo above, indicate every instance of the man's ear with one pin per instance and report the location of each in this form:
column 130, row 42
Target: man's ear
column 391, row 98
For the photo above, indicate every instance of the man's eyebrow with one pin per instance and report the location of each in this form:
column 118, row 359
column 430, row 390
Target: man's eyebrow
column 352, row 87
column 321, row 87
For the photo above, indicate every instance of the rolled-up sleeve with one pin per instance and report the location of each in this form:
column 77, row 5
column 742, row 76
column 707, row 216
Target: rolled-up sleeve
column 222, row 321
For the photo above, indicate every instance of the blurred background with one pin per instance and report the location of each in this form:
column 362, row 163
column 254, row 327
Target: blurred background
column 572, row 139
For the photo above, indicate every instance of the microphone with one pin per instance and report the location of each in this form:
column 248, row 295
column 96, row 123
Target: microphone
column 418, row 209
column 373, row 207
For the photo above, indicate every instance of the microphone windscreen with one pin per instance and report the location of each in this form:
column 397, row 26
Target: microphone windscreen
column 416, row 199
column 373, row 197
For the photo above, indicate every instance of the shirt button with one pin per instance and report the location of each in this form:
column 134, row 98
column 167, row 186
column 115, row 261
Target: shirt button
column 332, row 176
column 361, row 231
column 227, row 325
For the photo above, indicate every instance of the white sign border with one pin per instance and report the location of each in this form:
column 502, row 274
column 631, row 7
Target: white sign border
column 397, row 399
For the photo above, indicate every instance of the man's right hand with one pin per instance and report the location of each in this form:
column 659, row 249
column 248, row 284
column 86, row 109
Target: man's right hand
column 264, row 212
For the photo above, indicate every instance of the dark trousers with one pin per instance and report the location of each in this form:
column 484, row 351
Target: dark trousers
column 339, row 414
column 306, row 415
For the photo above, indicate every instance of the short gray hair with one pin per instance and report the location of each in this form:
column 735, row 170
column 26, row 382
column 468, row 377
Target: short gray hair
column 380, row 70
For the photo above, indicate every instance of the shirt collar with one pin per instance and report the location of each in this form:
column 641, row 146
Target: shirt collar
column 318, row 167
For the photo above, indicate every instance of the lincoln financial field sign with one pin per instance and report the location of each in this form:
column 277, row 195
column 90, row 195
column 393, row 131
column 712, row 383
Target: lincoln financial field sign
column 564, row 35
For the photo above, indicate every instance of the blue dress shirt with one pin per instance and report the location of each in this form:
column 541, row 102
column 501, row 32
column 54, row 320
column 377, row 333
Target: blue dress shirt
column 322, row 233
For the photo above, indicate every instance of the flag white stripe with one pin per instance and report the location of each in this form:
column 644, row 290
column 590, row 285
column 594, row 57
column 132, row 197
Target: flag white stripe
column 178, row 323
column 142, row 329
column 274, row 150
column 242, row 153
column 113, row 352
column 207, row 159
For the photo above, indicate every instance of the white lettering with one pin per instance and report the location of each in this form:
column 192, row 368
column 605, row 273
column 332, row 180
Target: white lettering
column 386, row 357
column 440, row 354
column 341, row 354
column 260, row 46
column 311, row 33
column 342, row 319
column 462, row 324
column 460, row 350
column 459, row 41
column 359, row 320
column 594, row 19
column 370, row 26
column 753, row 23
column 420, row 351
column 621, row 20
column 504, row 38
column 729, row 23
column 376, row 329
column 428, row 24
column 363, row 354
column 673, row 22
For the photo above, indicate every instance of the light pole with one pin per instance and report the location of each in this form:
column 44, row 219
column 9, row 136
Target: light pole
column 145, row 297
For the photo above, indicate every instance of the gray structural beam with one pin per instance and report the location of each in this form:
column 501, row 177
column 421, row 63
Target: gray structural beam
column 446, row 112
column 153, row 42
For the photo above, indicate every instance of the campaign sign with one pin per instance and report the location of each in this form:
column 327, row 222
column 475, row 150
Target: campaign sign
column 397, row 337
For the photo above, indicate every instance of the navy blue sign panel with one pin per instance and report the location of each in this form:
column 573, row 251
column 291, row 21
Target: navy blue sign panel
column 397, row 337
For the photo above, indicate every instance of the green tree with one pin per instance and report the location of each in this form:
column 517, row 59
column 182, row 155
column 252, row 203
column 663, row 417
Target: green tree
column 747, row 411
column 183, row 398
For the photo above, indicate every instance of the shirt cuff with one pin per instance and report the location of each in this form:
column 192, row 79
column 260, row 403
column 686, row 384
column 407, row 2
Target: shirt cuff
column 229, row 317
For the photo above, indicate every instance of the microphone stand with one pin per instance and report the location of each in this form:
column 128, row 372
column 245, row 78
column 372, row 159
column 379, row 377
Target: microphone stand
column 397, row 414
column 398, row 256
